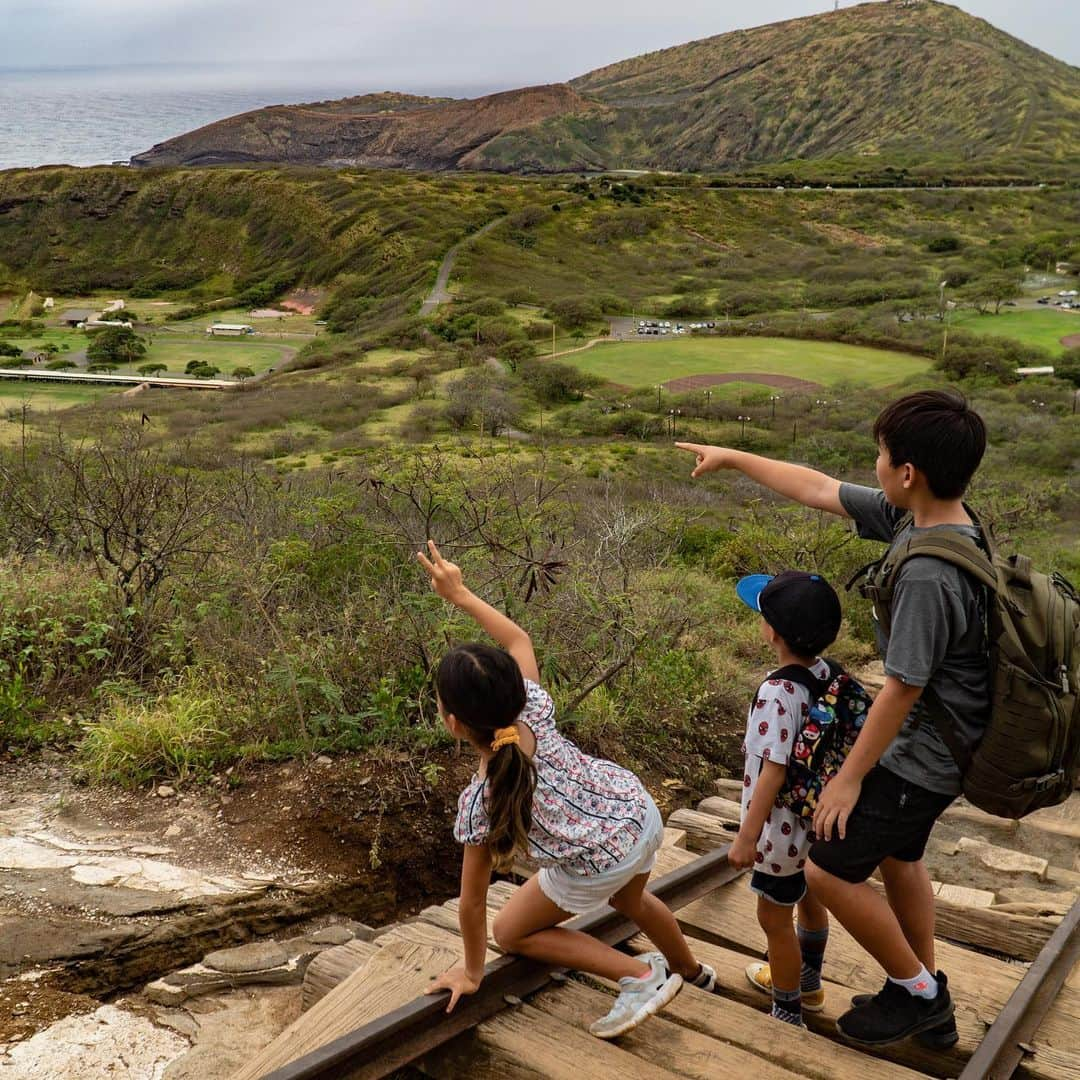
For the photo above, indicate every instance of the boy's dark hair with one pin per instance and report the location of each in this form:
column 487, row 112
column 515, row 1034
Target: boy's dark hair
column 937, row 432
column 483, row 688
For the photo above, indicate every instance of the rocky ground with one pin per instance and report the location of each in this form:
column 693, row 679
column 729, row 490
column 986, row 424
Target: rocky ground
column 162, row 933
column 103, row 891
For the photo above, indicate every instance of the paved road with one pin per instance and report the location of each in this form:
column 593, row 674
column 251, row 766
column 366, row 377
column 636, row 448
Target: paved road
column 439, row 294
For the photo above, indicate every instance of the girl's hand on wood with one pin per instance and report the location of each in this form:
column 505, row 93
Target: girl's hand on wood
column 445, row 576
column 709, row 458
column 458, row 981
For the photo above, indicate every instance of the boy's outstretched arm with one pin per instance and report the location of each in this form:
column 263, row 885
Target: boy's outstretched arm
column 447, row 582
column 796, row 482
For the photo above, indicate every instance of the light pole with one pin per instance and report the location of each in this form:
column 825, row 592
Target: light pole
column 774, row 398
column 743, row 420
column 659, row 389
column 944, row 317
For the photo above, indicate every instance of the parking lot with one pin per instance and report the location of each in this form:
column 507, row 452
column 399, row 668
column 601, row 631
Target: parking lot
column 649, row 329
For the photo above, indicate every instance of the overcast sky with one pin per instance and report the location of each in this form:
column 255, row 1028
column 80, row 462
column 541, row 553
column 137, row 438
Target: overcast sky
column 417, row 44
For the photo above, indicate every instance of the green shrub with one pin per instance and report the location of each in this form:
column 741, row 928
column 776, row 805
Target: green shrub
column 179, row 736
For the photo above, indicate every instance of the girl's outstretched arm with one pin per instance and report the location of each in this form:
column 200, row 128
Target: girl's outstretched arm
column 446, row 581
column 465, row 978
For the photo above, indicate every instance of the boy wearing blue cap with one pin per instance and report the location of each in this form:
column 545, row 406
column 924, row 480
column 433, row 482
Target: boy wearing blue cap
column 800, row 617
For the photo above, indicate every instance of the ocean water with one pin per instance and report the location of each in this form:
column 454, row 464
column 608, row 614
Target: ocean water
column 94, row 116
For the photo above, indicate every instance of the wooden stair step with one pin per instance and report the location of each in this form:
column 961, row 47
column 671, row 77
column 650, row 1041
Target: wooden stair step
column 733, row 987
column 986, row 928
column 399, row 972
column 980, row 984
column 719, row 1021
column 659, row 1040
column 523, row 1043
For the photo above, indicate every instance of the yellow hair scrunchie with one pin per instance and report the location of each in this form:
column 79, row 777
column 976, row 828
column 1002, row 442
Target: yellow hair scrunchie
column 505, row 736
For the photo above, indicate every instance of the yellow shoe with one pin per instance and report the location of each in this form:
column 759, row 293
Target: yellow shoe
column 760, row 978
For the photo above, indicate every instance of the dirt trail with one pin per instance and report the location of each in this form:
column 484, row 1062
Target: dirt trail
column 439, row 294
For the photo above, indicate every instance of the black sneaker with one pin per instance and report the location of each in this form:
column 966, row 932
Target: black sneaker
column 894, row 1014
column 944, row 1037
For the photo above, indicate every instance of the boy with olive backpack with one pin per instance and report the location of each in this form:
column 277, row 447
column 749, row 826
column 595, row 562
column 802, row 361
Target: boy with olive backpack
column 981, row 660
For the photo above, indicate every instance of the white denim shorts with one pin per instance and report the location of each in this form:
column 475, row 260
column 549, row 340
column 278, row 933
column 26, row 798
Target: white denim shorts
column 577, row 894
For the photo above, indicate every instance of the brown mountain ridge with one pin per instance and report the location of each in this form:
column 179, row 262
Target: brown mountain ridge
column 900, row 81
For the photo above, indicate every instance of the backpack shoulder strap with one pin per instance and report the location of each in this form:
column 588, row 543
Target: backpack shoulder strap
column 949, row 546
column 804, row 677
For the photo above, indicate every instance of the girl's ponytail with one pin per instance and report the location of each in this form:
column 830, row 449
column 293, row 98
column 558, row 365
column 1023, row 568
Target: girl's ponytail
column 483, row 688
column 511, row 778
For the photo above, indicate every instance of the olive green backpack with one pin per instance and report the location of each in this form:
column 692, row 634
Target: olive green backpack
column 1030, row 754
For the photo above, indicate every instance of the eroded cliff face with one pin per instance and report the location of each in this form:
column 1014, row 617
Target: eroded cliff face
column 381, row 131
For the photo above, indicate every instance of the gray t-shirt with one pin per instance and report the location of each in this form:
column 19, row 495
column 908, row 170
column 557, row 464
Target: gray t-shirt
column 938, row 640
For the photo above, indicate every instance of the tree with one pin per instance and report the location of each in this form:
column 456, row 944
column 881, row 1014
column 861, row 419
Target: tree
column 59, row 365
column 993, row 289
column 1068, row 367
column 206, row 371
column 575, row 311
column 242, row 373
column 7, row 349
column 102, row 368
column 553, row 383
column 192, row 365
column 515, row 352
column 151, row 369
column 481, row 396
column 116, row 345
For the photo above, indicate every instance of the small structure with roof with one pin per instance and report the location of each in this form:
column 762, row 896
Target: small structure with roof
column 230, row 329
column 77, row 316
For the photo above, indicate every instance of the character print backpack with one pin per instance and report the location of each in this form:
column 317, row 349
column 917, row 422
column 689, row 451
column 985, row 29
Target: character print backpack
column 837, row 709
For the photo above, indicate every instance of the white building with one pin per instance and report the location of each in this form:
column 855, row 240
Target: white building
column 230, row 329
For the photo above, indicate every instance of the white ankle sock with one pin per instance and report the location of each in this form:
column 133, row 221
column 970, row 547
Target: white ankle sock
column 923, row 985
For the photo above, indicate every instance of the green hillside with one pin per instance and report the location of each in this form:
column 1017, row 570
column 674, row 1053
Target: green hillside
column 908, row 82
column 211, row 235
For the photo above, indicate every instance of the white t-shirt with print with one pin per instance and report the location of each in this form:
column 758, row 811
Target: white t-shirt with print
column 775, row 718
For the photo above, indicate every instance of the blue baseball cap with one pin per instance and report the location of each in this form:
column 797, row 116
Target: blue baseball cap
column 802, row 608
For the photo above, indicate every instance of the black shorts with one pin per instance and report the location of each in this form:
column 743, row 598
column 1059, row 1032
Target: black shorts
column 786, row 890
column 891, row 820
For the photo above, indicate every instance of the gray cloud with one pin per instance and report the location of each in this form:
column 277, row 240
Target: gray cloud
column 420, row 44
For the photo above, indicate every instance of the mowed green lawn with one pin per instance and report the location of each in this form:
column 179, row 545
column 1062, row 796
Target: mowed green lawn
column 649, row 362
column 223, row 353
column 1045, row 327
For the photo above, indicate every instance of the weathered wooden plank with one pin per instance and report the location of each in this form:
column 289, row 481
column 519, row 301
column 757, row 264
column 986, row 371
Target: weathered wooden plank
column 525, row 1044
column 674, row 837
column 980, row 984
column 1018, row 936
column 673, row 1046
column 398, row 973
column 983, row 928
column 333, row 966
column 704, row 832
column 755, row 1034
column 430, row 935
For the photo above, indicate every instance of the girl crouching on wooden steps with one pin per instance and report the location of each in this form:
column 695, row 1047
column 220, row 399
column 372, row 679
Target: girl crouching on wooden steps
column 590, row 825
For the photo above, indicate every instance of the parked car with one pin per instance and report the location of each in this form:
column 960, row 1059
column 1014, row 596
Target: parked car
column 1043, row 300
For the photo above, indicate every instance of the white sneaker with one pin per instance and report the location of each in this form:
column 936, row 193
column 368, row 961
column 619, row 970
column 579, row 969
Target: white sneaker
column 638, row 1000
column 704, row 980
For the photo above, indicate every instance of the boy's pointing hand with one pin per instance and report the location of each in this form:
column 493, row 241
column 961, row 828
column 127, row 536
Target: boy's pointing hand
column 709, row 458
